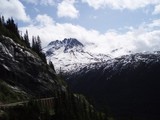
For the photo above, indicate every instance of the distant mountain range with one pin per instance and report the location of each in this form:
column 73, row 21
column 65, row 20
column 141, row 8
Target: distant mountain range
column 70, row 54
column 128, row 85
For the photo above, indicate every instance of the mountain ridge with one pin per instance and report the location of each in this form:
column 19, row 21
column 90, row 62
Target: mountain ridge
column 127, row 85
column 70, row 54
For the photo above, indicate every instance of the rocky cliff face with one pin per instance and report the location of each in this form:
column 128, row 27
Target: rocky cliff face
column 23, row 70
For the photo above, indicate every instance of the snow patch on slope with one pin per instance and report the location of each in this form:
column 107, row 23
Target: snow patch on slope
column 69, row 55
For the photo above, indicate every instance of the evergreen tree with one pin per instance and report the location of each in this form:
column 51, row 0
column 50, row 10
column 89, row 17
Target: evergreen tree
column 36, row 46
column 3, row 20
column 52, row 66
column 0, row 21
column 2, row 27
column 33, row 43
column 11, row 26
column 26, row 39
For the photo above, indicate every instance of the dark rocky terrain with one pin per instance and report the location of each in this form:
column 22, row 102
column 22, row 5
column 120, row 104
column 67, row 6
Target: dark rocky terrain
column 22, row 68
column 128, row 85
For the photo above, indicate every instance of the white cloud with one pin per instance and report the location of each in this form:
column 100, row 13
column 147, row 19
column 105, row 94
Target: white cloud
column 157, row 9
column 44, row 20
column 143, row 38
column 96, row 4
column 13, row 8
column 32, row 1
column 41, row 2
column 154, row 23
column 120, row 4
column 67, row 9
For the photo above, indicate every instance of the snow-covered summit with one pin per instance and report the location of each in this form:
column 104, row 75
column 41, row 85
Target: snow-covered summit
column 70, row 54
column 68, row 45
column 71, row 42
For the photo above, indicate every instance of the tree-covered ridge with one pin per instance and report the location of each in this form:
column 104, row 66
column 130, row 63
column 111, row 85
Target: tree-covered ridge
column 10, row 29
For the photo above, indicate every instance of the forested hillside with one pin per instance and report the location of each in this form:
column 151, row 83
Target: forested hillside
column 25, row 77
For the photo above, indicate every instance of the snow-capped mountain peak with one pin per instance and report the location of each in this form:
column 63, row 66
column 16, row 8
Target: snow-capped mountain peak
column 70, row 54
column 71, row 42
column 68, row 45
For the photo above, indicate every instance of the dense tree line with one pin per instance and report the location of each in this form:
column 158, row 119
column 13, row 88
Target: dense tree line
column 36, row 46
column 26, row 39
column 10, row 28
column 67, row 106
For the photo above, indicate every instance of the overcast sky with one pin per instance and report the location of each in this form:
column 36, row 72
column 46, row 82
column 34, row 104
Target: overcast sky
column 102, row 25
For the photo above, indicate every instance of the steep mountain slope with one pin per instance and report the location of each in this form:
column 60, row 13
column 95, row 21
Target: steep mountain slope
column 25, row 76
column 128, row 85
column 69, row 54
column 22, row 68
